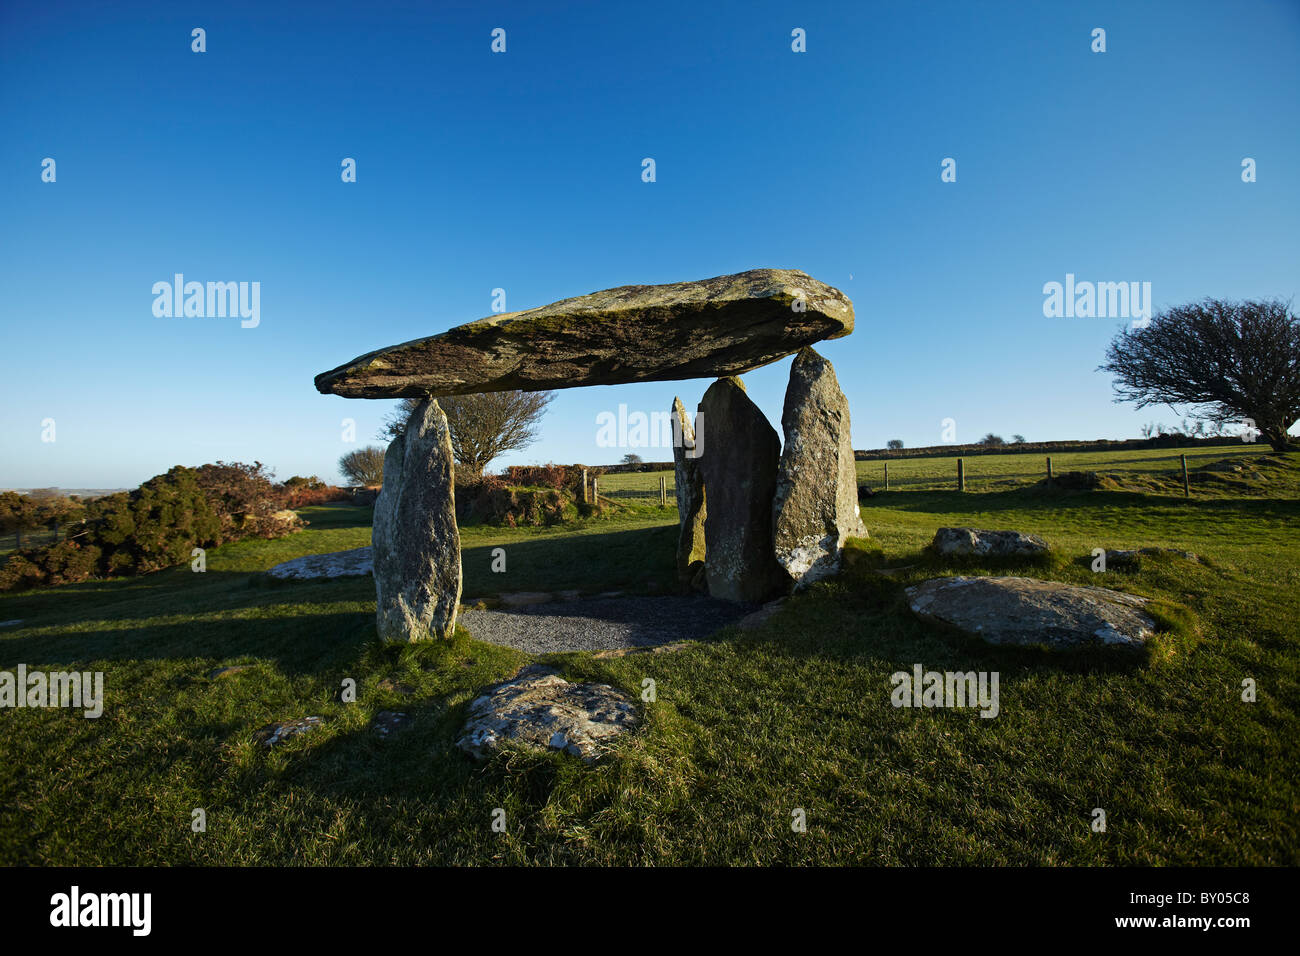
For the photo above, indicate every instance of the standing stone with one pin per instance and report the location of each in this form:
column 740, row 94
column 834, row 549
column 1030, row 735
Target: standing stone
column 416, row 543
column 816, row 504
column 689, row 482
column 739, row 467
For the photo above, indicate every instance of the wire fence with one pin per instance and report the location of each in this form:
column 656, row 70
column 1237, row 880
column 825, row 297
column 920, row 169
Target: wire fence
column 993, row 472
column 639, row 487
column 31, row 538
column 1004, row 472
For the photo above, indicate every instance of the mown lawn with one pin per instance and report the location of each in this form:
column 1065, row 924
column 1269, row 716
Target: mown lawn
column 746, row 727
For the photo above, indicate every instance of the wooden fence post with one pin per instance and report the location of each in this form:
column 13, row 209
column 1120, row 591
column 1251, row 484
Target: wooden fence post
column 1049, row 467
column 585, row 499
column 961, row 474
column 1187, row 492
column 886, row 476
column 595, row 491
column 663, row 491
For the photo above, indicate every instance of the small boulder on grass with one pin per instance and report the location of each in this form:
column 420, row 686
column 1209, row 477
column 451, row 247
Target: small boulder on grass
column 540, row 710
column 1027, row 612
column 964, row 542
column 273, row 735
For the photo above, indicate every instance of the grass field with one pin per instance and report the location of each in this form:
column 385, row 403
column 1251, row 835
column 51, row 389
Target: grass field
column 747, row 727
column 989, row 472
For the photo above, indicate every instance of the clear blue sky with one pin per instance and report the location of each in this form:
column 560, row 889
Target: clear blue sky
column 522, row 171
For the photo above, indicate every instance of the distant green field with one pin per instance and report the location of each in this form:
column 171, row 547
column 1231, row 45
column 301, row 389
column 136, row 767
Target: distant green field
column 985, row 472
column 1010, row 470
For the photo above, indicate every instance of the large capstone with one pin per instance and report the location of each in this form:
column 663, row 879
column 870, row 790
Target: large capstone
column 741, row 450
column 1026, row 611
column 688, row 480
column 415, row 542
column 636, row 333
column 816, row 505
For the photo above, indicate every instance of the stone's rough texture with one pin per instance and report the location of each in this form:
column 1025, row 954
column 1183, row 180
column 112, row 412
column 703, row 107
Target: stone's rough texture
column 995, row 544
column 539, row 709
column 336, row 564
column 415, row 542
column 1025, row 611
column 273, row 735
column 816, row 504
column 739, row 467
column 688, row 480
column 638, row 333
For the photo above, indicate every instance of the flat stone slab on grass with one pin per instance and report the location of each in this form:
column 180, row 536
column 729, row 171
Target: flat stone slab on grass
column 540, row 710
column 336, row 564
column 1026, row 612
column 603, row 623
column 635, row 333
column 993, row 544
column 273, row 734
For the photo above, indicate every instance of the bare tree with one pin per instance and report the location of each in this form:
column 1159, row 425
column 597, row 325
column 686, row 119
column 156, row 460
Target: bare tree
column 992, row 440
column 895, row 444
column 1230, row 360
column 484, row 426
column 364, row 466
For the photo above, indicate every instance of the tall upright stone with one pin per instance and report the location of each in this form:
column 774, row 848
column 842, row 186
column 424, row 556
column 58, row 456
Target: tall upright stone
column 688, row 480
column 416, row 543
column 739, row 467
column 816, row 502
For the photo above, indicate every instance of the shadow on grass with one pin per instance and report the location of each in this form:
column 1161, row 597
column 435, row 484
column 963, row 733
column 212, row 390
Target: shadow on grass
column 286, row 631
column 586, row 562
column 233, row 614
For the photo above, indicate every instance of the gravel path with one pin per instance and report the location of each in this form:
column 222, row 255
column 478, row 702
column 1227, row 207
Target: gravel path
column 603, row 623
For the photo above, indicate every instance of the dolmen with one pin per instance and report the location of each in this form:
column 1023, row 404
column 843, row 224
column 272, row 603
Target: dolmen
column 758, row 517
